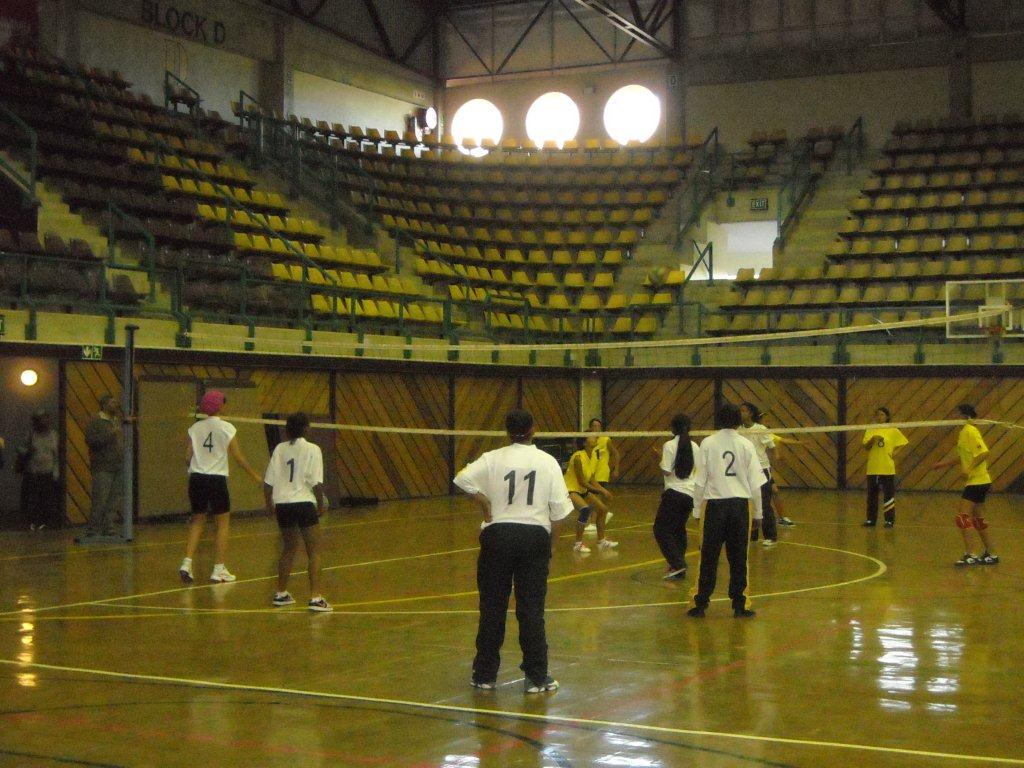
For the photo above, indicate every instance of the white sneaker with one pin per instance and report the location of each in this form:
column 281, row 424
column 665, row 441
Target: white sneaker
column 580, row 547
column 768, row 543
column 220, row 574
column 282, row 599
column 320, row 605
column 591, row 528
column 607, row 544
column 185, row 571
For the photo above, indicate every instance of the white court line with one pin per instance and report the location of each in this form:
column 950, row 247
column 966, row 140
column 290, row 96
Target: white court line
column 513, row 715
column 175, row 590
column 275, row 532
column 157, row 611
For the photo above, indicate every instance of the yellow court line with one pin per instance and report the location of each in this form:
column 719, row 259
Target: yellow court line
column 175, row 611
column 513, row 715
column 79, row 550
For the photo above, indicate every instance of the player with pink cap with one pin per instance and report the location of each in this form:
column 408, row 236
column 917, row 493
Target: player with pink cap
column 209, row 443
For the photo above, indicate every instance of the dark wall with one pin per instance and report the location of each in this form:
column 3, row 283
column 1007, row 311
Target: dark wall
column 17, row 402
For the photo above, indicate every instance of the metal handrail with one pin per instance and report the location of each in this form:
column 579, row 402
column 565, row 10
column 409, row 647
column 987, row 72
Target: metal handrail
column 28, row 186
column 854, row 140
column 698, row 187
column 169, row 78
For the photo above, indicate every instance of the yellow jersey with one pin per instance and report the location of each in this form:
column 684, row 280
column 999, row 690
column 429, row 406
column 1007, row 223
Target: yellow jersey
column 587, row 464
column 602, row 455
column 882, row 442
column 970, row 445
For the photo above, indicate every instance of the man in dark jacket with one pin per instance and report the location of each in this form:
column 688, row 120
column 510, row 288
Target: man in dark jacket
column 106, row 454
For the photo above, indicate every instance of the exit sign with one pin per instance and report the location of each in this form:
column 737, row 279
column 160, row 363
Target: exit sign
column 759, row 203
column 92, row 352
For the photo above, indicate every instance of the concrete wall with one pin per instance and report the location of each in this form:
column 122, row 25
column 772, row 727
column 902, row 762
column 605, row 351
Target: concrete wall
column 324, row 99
column 997, row 87
column 590, row 91
column 19, row 402
column 143, row 55
column 799, row 103
column 239, row 44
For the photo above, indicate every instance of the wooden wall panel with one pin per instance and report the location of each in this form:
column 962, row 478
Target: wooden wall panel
column 286, row 392
column 386, row 466
column 481, row 403
column 649, row 404
column 554, row 403
column 796, row 403
column 934, row 399
column 85, row 383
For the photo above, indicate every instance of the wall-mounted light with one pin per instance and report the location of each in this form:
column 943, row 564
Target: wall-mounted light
column 29, row 377
column 426, row 118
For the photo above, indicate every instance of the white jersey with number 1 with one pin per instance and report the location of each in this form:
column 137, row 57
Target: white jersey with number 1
column 210, row 440
column 295, row 469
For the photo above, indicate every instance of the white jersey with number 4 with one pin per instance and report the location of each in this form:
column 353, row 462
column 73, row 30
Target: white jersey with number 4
column 523, row 483
column 727, row 468
column 295, row 469
column 210, row 440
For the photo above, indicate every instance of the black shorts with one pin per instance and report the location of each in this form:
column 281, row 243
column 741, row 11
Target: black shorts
column 301, row 514
column 976, row 493
column 208, row 493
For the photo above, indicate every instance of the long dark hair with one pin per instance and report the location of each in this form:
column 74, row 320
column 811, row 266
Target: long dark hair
column 684, row 451
column 967, row 410
column 295, row 426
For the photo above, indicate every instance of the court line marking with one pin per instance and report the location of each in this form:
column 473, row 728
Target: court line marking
column 340, row 566
column 256, row 517
column 167, row 611
column 513, row 715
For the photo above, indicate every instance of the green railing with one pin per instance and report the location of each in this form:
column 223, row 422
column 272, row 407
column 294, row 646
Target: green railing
column 27, row 186
column 699, row 186
column 171, row 98
column 854, row 144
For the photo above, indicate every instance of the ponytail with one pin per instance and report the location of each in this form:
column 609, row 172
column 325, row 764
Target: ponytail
column 684, row 451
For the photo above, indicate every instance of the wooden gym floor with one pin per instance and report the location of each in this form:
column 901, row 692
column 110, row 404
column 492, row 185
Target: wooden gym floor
column 869, row 648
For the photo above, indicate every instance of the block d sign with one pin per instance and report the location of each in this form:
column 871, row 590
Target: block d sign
column 177, row 21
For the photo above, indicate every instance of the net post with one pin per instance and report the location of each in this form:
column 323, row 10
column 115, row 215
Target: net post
column 128, row 432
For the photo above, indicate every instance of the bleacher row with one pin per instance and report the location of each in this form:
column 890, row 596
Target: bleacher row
column 944, row 202
column 101, row 144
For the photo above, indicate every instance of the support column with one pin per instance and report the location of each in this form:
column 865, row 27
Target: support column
column 675, row 101
column 590, row 399
column 276, row 79
column 961, row 105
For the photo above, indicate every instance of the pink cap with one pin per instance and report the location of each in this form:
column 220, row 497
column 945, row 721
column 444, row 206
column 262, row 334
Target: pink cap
column 212, row 402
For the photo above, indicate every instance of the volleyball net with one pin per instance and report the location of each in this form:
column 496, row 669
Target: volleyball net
column 973, row 310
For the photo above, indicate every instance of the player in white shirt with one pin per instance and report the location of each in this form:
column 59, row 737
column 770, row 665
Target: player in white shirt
column 679, row 468
column 764, row 444
column 207, row 446
column 728, row 482
column 523, row 499
column 293, row 489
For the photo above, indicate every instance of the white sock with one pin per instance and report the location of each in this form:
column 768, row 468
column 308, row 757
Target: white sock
column 219, row 567
column 314, row 599
column 281, row 594
column 187, row 562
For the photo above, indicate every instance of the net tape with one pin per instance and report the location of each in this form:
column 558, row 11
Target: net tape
column 428, row 432
column 976, row 315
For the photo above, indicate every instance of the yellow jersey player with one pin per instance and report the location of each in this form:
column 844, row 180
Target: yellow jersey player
column 972, row 455
column 882, row 443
